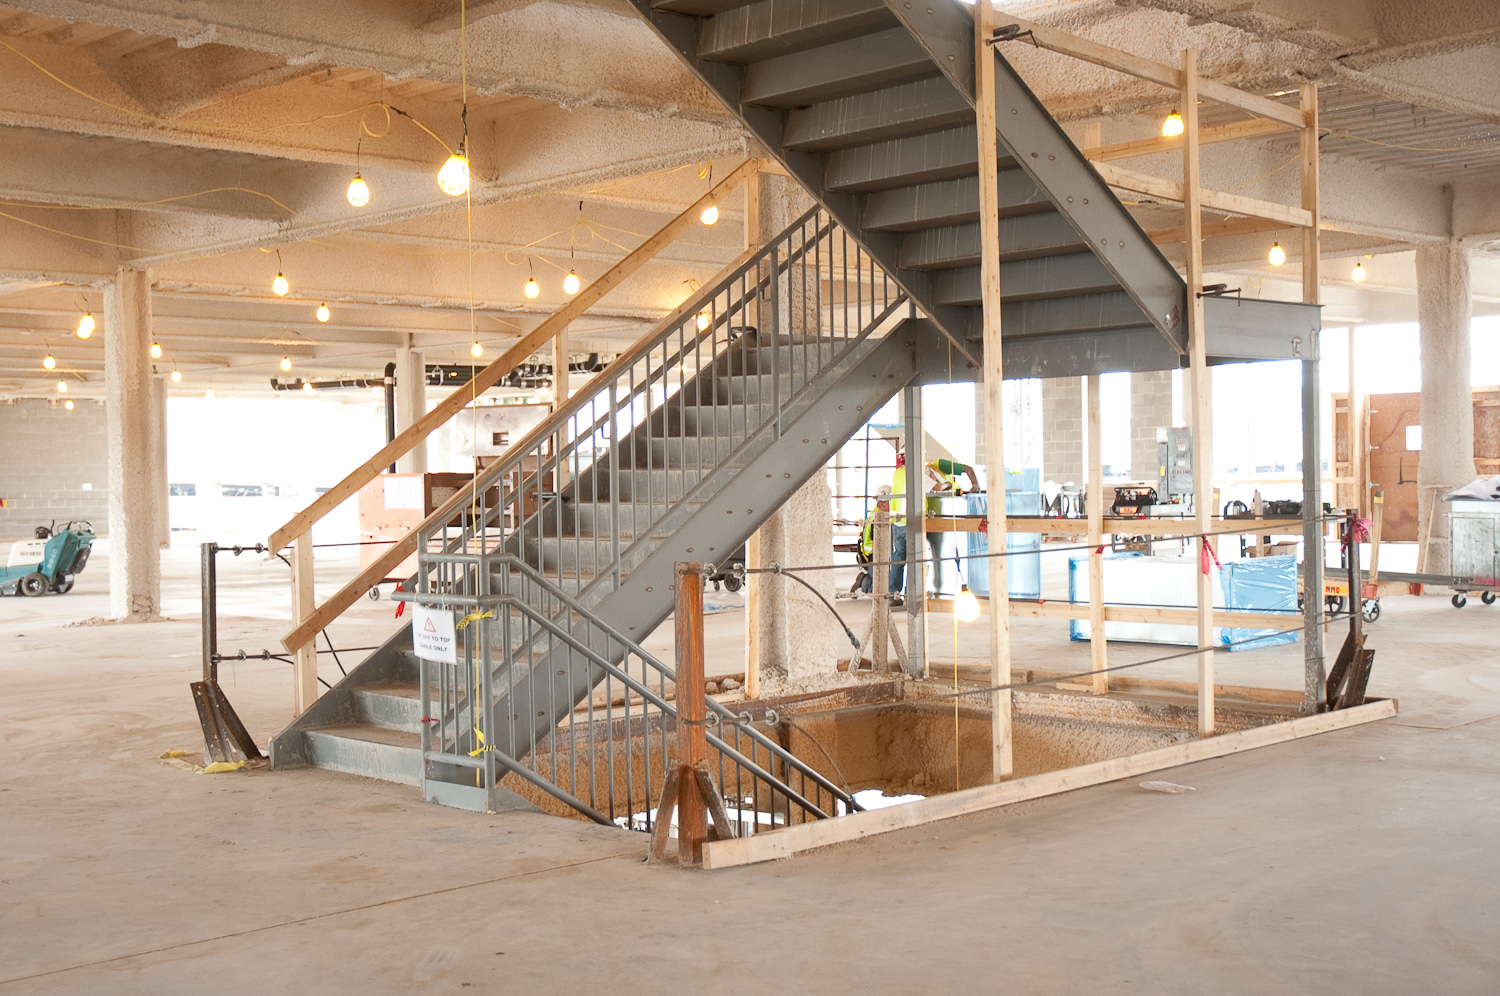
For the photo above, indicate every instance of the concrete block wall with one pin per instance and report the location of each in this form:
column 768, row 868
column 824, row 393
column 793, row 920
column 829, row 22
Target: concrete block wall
column 47, row 456
column 1150, row 409
column 1062, row 430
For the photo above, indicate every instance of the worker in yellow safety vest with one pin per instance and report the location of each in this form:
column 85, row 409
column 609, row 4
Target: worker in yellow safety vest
column 944, row 476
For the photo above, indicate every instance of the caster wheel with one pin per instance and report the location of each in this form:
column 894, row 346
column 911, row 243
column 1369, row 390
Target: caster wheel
column 1488, row 598
column 1371, row 609
column 374, row 594
column 33, row 585
column 1336, row 604
column 716, row 586
column 733, row 583
column 1459, row 601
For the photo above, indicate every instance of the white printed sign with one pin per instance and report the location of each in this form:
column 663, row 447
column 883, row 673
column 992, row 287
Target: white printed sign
column 432, row 634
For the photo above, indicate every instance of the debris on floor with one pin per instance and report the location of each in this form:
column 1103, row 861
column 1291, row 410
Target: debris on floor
column 1171, row 788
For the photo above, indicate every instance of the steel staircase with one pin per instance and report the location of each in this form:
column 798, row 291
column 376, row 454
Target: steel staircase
column 563, row 552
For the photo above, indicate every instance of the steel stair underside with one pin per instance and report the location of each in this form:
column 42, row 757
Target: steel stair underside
column 368, row 723
column 870, row 105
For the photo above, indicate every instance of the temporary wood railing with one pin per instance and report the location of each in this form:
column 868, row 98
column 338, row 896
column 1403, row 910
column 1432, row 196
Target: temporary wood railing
column 307, row 617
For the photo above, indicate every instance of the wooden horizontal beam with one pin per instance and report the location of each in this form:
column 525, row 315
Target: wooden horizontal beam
column 1049, row 526
column 1136, row 614
column 1126, row 684
column 1218, row 200
column 791, row 840
column 1254, row 128
column 1220, row 228
column 1154, row 72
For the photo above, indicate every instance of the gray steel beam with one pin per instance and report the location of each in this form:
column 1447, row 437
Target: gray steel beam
column 1253, row 329
column 876, row 116
column 1313, row 674
column 1083, row 313
column 1022, row 237
column 837, row 70
column 774, row 27
column 695, row 8
column 1026, row 279
column 949, row 202
column 1033, row 137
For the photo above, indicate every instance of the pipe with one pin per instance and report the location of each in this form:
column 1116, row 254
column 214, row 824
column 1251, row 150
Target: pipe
column 390, row 406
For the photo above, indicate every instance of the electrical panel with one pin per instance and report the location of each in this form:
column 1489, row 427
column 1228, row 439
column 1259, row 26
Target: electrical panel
column 1174, row 448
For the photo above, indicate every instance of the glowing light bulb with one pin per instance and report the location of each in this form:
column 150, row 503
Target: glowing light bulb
column 710, row 214
column 359, row 192
column 533, row 288
column 1358, row 276
column 966, row 606
column 1277, row 255
column 571, row 283
column 156, row 350
column 1172, row 126
column 703, row 321
column 453, row 178
column 279, row 286
column 286, row 364
column 68, row 404
column 209, row 394
column 176, row 376
column 49, row 362
column 307, row 386
column 324, row 314
column 62, row 387
column 85, row 326
column 476, row 350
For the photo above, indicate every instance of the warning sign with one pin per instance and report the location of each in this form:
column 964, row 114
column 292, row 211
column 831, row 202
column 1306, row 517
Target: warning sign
column 432, row 634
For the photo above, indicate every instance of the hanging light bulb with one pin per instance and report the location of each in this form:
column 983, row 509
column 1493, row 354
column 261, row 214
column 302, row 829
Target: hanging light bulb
column 533, row 288
column 571, row 282
column 156, row 350
column 453, row 178
column 68, row 404
column 1172, row 126
column 710, row 214
column 359, row 191
column 86, row 325
column 1358, row 276
column 279, row 286
column 966, row 606
column 307, row 386
column 1277, row 255
column 703, row 321
column 286, row 364
column 62, row 387
column 209, row 394
column 49, row 362
column 476, row 350
column 176, row 376
column 324, row 314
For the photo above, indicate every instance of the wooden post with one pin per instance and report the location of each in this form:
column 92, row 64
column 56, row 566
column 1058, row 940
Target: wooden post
column 692, row 740
column 305, row 656
column 1001, row 762
column 1199, row 391
column 1098, row 645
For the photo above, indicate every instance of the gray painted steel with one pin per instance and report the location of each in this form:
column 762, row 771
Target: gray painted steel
column 877, row 115
column 775, row 27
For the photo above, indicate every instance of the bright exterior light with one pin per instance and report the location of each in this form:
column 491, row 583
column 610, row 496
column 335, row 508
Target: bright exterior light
column 209, row 394
column 533, row 288
column 710, row 214
column 68, row 404
column 279, row 286
column 86, row 325
column 1277, row 255
column 1359, row 273
column 49, row 362
column 453, row 178
column 966, row 605
column 570, row 283
column 703, row 321
column 324, row 314
column 286, row 364
column 62, row 387
column 156, row 350
column 476, row 350
column 176, row 376
column 359, row 192
column 307, row 386
column 1172, row 126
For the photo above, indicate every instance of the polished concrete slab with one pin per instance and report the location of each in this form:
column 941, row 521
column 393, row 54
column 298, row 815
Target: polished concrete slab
column 1356, row 862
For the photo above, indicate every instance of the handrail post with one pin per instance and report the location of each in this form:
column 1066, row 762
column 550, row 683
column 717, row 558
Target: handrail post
column 304, row 657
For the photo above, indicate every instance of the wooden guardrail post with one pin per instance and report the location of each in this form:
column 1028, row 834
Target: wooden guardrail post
column 305, row 655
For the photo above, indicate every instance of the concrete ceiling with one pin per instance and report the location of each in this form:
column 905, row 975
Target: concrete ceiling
column 198, row 140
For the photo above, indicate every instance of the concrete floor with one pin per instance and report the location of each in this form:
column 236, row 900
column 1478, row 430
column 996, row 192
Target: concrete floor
column 1356, row 862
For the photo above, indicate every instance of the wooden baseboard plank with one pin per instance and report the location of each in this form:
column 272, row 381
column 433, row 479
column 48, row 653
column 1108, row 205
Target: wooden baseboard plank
column 806, row 836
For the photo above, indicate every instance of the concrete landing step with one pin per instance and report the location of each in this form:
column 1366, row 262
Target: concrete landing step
column 372, row 751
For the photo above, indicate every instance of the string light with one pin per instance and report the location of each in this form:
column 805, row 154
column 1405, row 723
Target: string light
column 324, row 314
column 279, row 286
column 710, row 214
column 49, row 362
column 176, row 376
column 532, row 287
column 359, row 192
column 156, row 350
column 966, row 606
column 62, row 387
column 1277, row 255
column 453, row 178
column 703, row 321
column 68, row 404
column 571, row 282
column 476, row 350
column 286, row 364
column 86, row 325
column 1172, row 126
column 1359, row 270
column 209, row 394
column 307, row 386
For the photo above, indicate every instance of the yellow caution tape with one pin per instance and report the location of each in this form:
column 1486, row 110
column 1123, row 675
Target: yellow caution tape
column 472, row 616
column 221, row 766
column 480, row 749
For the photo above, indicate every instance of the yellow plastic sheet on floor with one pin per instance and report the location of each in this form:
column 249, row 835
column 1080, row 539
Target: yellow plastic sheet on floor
column 176, row 758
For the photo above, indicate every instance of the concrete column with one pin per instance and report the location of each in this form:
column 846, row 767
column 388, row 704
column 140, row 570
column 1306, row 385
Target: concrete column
column 159, row 457
column 1447, row 458
column 131, row 430
column 1150, row 409
column 411, row 404
column 1062, row 429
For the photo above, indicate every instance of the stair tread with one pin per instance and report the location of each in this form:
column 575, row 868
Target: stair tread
column 370, row 734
